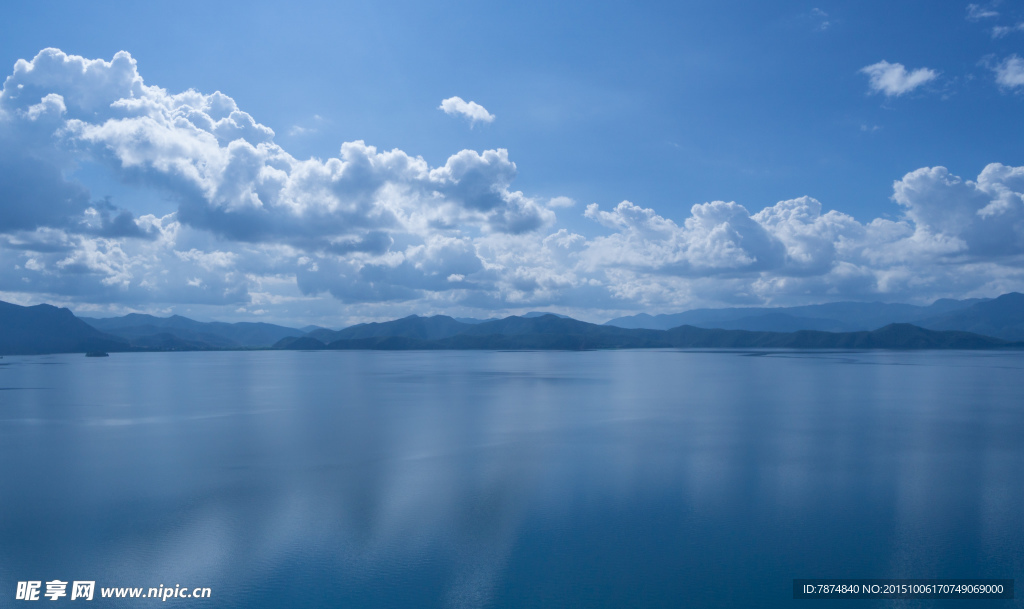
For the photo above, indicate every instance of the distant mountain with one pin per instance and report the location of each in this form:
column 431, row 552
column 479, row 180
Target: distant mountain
column 47, row 329
column 165, row 341
column 951, row 325
column 543, row 324
column 472, row 320
column 892, row 336
column 308, row 329
column 413, row 326
column 544, row 332
column 830, row 317
column 299, row 343
column 440, row 332
column 781, row 322
column 1002, row 317
column 148, row 331
column 551, row 332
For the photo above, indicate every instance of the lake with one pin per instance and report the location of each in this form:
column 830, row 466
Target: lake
column 650, row 478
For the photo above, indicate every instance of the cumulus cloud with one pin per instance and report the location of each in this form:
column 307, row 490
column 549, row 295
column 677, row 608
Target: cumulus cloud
column 950, row 229
column 471, row 110
column 255, row 229
column 370, row 215
column 718, row 236
column 1010, row 72
column 986, row 216
column 893, row 79
column 230, row 177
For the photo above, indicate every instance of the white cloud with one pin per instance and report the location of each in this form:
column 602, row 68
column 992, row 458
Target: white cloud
column 717, row 236
column 230, row 177
column 386, row 234
column 822, row 19
column 955, row 237
column 1010, row 72
column 1002, row 30
column 51, row 105
column 471, row 110
column 893, row 79
column 977, row 12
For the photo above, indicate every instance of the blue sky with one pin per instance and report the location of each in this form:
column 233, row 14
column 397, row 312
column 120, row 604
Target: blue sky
column 732, row 106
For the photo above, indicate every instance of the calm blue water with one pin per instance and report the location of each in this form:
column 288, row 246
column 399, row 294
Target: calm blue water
column 490, row 479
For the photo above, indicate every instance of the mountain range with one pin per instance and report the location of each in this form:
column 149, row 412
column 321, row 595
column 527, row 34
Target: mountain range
column 1001, row 317
column 46, row 329
column 946, row 324
column 181, row 333
column 551, row 332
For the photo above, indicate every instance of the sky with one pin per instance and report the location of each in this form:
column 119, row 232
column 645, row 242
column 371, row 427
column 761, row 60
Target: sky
column 331, row 163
